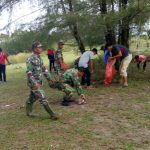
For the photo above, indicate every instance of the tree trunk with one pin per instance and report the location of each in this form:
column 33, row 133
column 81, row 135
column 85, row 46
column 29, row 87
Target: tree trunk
column 124, row 27
column 73, row 26
column 110, row 33
column 120, row 23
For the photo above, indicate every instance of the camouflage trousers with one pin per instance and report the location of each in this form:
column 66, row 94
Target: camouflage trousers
column 38, row 95
column 58, row 70
column 66, row 88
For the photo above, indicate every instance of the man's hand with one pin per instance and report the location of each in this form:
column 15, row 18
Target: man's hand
column 37, row 86
column 52, row 83
column 82, row 96
column 82, row 99
column 111, row 58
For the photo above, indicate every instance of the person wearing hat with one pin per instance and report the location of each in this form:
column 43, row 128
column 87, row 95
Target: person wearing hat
column 59, row 59
column 123, row 53
column 35, row 70
column 70, row 84
column 86, row 61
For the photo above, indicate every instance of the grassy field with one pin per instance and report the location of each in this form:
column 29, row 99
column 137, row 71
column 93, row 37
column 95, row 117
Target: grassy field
column 114, row 118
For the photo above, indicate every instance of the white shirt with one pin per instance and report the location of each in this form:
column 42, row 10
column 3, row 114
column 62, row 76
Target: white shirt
column 84, row 59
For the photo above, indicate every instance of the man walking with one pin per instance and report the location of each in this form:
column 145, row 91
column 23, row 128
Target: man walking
column 35, row 70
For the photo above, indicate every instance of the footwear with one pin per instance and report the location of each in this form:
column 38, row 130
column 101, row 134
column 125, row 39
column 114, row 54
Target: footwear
column 125, row 85
column 54, row 117
column 28, row 109
column 65, row 103
column 48, row 109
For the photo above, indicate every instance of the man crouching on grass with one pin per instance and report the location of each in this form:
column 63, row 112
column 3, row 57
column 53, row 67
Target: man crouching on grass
column 35, row 70
column 69, row 84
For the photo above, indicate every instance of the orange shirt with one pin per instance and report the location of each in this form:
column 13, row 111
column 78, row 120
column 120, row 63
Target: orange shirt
column 3, row 57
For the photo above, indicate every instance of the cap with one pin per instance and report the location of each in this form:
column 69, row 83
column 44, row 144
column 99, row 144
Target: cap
column 36, row 44
column 61, row 42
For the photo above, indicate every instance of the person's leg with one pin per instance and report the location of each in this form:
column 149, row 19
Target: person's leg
column 68, row 90
column 88, row 77
column 138, row 65
column 83, row 78
column 39, row 94
column 0, row 72
column 4, row 73
column 124, row 65
column 117, row 64
column 50, row 65
column 144, row 66
column 31, row 99
column 54, row 65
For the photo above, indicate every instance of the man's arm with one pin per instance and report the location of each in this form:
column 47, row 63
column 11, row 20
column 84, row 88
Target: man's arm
column 91, row 65
column 8, row 61
column 45, row 72
column 30, row 74
column 6, row 57
column 118, row 55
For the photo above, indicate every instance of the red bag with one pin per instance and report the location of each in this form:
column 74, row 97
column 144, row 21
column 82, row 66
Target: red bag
column 109, row 73
column 64, row 66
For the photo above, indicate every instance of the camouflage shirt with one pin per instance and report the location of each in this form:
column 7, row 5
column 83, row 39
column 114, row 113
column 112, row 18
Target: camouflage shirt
column 35, row 70
column 71, row 76
column 58, row 57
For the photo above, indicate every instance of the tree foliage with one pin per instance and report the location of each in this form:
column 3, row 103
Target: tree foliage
column 88, row 22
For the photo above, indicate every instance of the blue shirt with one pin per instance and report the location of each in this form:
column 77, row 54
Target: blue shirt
column 124, row 51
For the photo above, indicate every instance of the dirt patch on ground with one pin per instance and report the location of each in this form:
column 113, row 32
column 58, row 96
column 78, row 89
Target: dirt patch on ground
column 4, row 106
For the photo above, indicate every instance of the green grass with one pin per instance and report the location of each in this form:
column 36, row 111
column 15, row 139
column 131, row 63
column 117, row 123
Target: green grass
column 114, row 118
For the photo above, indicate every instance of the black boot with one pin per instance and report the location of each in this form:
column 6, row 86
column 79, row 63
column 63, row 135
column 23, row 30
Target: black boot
column 49, row 110
column 28, row 108
column 66, row 101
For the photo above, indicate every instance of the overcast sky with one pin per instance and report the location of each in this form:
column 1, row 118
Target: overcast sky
column 24, row 9
column 19, row 10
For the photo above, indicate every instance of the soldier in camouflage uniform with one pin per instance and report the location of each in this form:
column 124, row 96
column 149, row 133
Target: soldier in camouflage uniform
column 35, row 69
column 69, row 84
column 59, row 59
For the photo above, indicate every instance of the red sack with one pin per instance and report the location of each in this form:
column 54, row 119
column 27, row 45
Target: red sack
column 64, row 66
column 109, row 73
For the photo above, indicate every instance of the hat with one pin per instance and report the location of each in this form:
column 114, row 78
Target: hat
column 61, row 42
column 36, row 44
